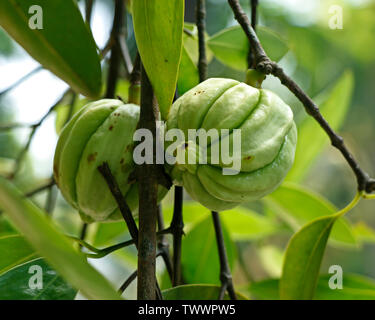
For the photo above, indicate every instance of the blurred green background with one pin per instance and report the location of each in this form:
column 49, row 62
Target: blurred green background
column 317, row 57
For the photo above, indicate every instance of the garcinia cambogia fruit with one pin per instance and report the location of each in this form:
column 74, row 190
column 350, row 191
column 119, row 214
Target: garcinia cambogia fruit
column 101, row 131
column 268, row 141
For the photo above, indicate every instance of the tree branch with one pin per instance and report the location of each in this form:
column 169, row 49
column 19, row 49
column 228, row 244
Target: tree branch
column 225, row 275
column 121, row 202
column 265, row 65
column 177, row 230
column 163, row 245
column 201, row 25
column 148, row 189
column 114, row 60
column 251, row 59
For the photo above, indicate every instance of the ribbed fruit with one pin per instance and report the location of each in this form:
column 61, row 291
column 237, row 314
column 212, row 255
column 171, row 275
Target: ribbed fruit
column 268, row 141
column 101, row 131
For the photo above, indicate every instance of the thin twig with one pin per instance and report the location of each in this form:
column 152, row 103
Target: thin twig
column 51, row 200
column 163, row 245
column 265, row 65
column 177, row 229
column 40, row 189
column 88, row 11
column 121, row 202
column 114, row 60
column 132, row 277
column 100, row 253
column 251, row 59
column 128, row 282
column 34, row 128
column 225, row 275
column 52, row 192
column 83, row 233
column 201, row 25
column 19, row 81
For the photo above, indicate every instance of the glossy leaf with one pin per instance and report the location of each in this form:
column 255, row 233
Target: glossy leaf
column 52, row 245
column 303, row 258
column 231, row 46
column 158, row 27
column 241, row 223
column 196, row 292
column 105, row 232
column 200, row 258
column 355, row 287
column 64, row 45
column 244, row 224
column 188, row 76
column 311, row 138
column 14, row 251
column 297, row 205
column 14, row 285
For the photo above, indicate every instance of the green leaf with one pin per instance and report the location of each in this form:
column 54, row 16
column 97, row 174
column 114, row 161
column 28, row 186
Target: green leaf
column 200, row 258
column 355, row 287
column 271, row 258
column 14, row 251
column 105, row 232
column 14, row 285
column 192, row 212
column 242, row 224
column 5, row 227
column 231, row 46
column 311, row 138
column 265, row 289
column 53, row 246
column 297, row 205
column 188, row 76
column 364, row 233
column 64, row 45
column 6, row 45
column 196, row 292
column 303, row 258
column 158, row 28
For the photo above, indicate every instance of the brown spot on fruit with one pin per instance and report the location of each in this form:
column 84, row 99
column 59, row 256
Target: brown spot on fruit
column 110, row 127
column 248, row 158
column 122, row 161
column 91, row 157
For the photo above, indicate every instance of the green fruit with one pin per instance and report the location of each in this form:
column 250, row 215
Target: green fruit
column 101, row 131
column 268, row 141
